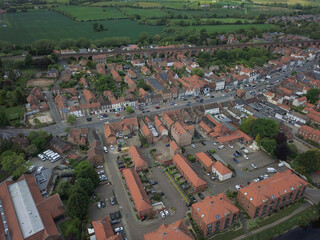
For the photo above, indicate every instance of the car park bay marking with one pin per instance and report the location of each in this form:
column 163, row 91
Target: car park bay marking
column 184, row 198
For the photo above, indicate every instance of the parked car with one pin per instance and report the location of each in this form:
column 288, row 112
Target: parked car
column 112, row 216
column 237, row 187
column 40, row 169
column 221, row 147
column 101, row 172
column 245, row 156
column 230, row 146
column 200, row 196
column 111, row 147
column 166, row 212
column 203, row 143
column 117, row 215
column 112, row 202
column 162, row 214
column 154, row 183
column 235, row 160
column 236, row 154
column 116, row 221
column 194, row 200
column 99, row 205
column 31, row 169
column 280, row 164
column 89, row 119
column 105, row 149
column 118, row 229
column 103, row 203
column 192, row 145
column 254, row 166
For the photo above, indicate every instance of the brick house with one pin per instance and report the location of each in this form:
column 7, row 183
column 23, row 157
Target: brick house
column 180, row 135
column 147, row 133
column 221, row 171
column 197, row 183
column 309, row 133
column 59, row 145
column 139, row 196
column 173, row 231
column 140, row 162
column 205, row 161
column 258, row 199
column 214, row 214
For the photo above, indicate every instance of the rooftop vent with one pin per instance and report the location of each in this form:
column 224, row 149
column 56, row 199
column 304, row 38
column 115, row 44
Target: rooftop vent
column 245, row 193
column 202, row 215
column 211, row 202
column 251, row 199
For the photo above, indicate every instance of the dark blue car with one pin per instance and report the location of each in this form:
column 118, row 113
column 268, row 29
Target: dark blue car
column 236, row 154
column 235, row 160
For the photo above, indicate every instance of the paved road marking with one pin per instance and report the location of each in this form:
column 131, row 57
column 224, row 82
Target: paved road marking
column 183, row 196
column 150, row 172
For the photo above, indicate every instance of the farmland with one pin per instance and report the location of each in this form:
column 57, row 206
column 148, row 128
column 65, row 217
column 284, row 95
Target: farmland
column 91, row 13
column 31, row 26
column 147, row 13
column 232, row 28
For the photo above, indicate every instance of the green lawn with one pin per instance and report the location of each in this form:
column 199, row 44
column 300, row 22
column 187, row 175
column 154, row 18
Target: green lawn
column 31, row 26
column 275, row 217
column 147, row 13
column 222, row 20
column 14, row 112
column 232, row 28
column 304, row 218
column 227, row 235
column 91, row 13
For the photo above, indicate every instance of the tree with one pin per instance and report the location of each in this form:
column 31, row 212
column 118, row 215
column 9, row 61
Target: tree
column 28, row 61
column 293, row 151
column 143, row 140
column 78, row 203
column 282, row 150
column 3, row 119
column 269, row 145
column 71, row 119
column 86, row 184
column 258, row 139
column 64, row 189
column 14, row 163
column 129, row 109
column 313, row 95
column 85, row 170
column 310, row 160
column 31, row 150
column 39, row 138
column 44, row 46
column 267, row 128
column 197, row 71
column 247, row 124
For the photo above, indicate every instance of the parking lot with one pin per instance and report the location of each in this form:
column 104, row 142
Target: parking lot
column 261, row 159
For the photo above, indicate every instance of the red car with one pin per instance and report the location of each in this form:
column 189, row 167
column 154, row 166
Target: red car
column 118, row 115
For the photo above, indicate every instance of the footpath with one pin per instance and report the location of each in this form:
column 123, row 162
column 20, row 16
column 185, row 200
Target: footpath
column 300, row 209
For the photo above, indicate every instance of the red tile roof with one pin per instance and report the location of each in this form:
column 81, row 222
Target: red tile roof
column 103, row 229
column 212, row 206
column 139, row 195
column 279, row 184
column 138, row 158
column 313, row 117
column 223, row 170
column 181, row 161
column 173, row 231
column 204, row 158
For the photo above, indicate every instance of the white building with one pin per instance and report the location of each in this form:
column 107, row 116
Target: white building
column 220, row 85
column 221, row 171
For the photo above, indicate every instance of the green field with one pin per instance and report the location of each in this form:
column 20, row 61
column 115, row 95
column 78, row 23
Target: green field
column 91, row 13
column 289, row 2
column 147, row 13
column 232, row 28
column 31, row 26
column 14, row 113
